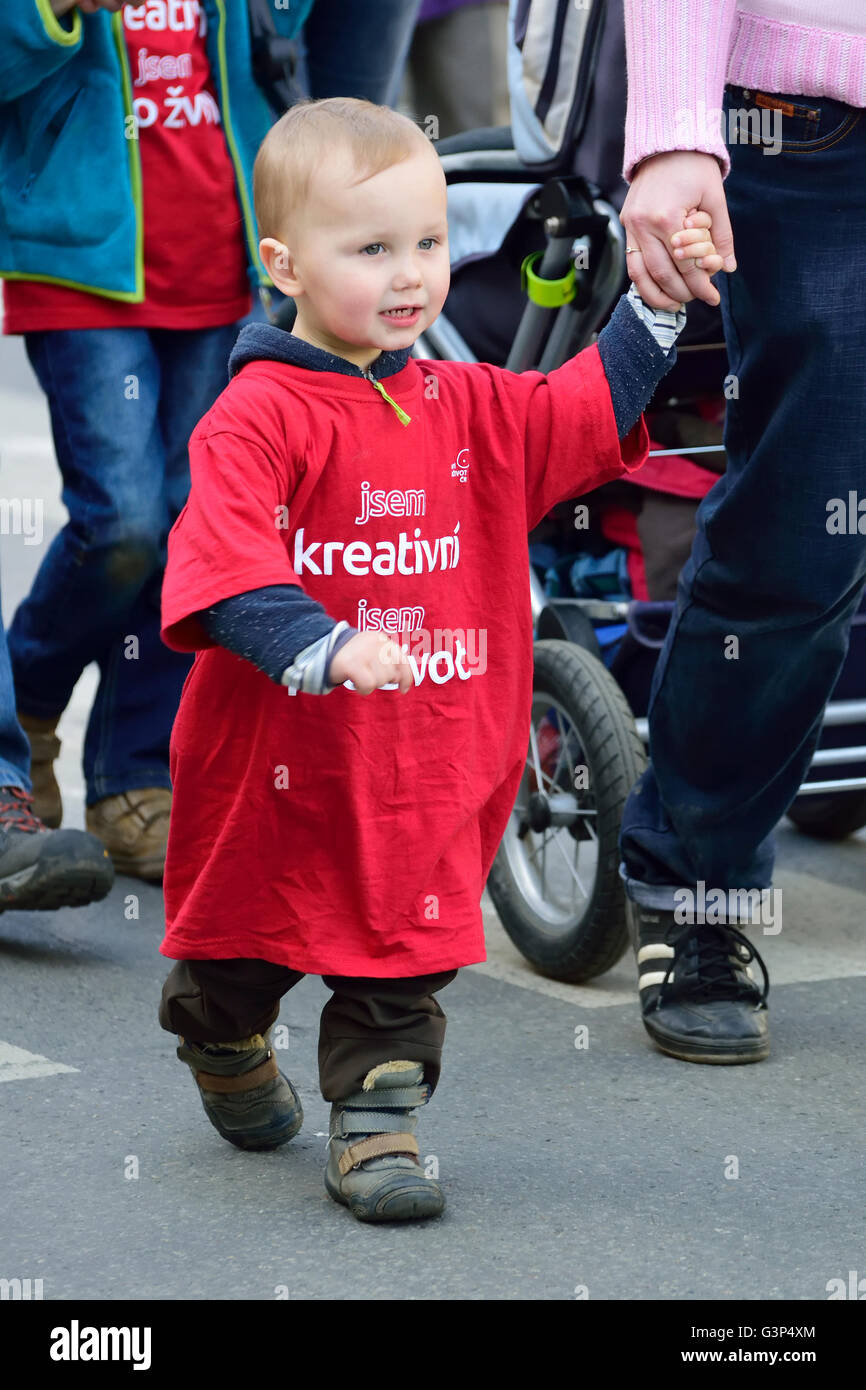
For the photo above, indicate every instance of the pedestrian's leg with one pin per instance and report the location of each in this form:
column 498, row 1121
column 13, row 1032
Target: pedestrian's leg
column 223, row 1011
column 369, row 1021
column 766, row 599
column 380, row 1048
column 38, row 870
column 14, row 747
column 352, row 50
column 127, row 744
column 457, row 69
column 222, row 1001
column 102, row 387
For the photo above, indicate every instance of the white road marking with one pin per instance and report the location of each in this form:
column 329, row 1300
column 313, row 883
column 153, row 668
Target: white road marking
column 18, row 1065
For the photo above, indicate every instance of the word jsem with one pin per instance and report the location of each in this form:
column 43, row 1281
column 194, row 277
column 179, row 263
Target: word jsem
column 76, row 1343
column 388, row 619
column 407, row 556
column 397, row 502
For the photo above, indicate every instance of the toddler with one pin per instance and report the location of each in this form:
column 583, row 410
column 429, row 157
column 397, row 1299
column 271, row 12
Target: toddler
column 357, row 528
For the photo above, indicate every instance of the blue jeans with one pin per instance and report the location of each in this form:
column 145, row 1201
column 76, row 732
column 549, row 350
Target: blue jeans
column 348, row 49
column 732, row 733
column 123, row 403
column 14, row 746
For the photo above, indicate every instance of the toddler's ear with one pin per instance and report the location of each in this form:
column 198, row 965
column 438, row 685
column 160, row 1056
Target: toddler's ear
column 279, row 264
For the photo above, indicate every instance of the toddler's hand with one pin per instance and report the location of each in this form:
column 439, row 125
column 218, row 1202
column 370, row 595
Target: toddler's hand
column 694, row 243
column 370, row 660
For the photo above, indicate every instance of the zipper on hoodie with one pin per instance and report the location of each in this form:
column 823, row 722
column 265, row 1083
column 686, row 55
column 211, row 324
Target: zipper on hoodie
column 401, row 414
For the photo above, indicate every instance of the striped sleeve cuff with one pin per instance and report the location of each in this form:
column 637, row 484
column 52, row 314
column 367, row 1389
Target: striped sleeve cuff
column 664, row 324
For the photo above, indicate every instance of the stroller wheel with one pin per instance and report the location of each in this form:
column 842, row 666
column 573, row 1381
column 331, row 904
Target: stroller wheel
column 830, row 817
column 555, row 880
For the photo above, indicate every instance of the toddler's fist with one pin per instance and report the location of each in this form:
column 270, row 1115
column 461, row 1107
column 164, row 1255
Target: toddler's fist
column 371, row 660
column 694, row 243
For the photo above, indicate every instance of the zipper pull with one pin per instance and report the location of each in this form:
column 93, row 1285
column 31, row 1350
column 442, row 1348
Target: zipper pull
column 401, row 414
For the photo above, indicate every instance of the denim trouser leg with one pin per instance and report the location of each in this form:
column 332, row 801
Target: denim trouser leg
column 14, row 746
column 356, row 50
column 766, row 599
column 123, row 403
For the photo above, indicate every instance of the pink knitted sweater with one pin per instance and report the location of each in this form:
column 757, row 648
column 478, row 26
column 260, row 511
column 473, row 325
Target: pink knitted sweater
column 682, row 52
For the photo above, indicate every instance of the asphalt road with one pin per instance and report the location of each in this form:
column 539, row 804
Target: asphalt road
column 605, row 1171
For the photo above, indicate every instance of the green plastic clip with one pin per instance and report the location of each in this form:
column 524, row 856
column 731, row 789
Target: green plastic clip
column 550, row 294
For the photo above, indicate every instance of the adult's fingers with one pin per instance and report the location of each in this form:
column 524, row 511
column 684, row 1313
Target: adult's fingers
column 647, row 287
column 655, row 275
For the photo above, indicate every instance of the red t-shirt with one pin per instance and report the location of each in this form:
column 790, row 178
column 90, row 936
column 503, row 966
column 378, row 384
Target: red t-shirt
column 195, row 265
column 346, row 834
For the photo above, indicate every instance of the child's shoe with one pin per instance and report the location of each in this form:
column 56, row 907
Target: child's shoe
column 373, row 1166
column 245, row 1095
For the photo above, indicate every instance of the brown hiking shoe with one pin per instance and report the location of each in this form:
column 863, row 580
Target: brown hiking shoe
column 133, row 826
column 40, row 869
column 44, row 748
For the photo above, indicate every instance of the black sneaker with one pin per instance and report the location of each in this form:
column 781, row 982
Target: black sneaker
column 699, row 998
column 42, row 869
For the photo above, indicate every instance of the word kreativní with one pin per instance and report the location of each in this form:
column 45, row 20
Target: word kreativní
column 409, row 555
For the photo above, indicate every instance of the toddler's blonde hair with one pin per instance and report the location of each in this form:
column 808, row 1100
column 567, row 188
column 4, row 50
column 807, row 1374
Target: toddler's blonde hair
column 302, row 139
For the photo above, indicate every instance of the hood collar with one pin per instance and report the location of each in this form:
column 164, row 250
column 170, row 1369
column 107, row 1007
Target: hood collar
column 265, row 340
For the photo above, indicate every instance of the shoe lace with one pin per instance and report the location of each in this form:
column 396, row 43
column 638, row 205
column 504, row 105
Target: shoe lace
column 704, row 948
column 16, row 810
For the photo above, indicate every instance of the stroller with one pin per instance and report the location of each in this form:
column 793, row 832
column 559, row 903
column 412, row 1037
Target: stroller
column 538, row 264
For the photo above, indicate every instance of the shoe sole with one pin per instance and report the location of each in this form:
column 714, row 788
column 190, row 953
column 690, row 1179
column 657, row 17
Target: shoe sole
column 711, row 1054
column 260, row 1145
column 413, row 1203
column 151, row 870
column 61, row 883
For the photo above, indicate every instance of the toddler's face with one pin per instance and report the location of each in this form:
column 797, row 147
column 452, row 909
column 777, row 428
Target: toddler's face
column 359, row 251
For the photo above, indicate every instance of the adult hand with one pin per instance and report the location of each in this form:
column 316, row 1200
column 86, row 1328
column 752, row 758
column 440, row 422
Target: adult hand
column 665, row 190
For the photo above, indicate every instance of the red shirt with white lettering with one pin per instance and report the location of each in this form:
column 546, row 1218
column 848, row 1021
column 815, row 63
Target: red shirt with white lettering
column 195, row 264
column 345, row 834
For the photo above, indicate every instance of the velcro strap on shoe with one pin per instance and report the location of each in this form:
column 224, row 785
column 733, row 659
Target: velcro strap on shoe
column 247, row 1081
column 388, row 1098
column 376, row 1147
column 369, row 1122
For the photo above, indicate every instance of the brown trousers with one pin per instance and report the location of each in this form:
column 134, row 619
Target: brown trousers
column 364, row 1023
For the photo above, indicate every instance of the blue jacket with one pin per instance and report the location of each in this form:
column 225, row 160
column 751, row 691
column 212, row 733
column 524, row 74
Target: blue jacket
column 70, row 170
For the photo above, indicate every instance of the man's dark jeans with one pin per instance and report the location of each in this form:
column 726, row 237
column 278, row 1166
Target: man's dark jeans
column 766, row 599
